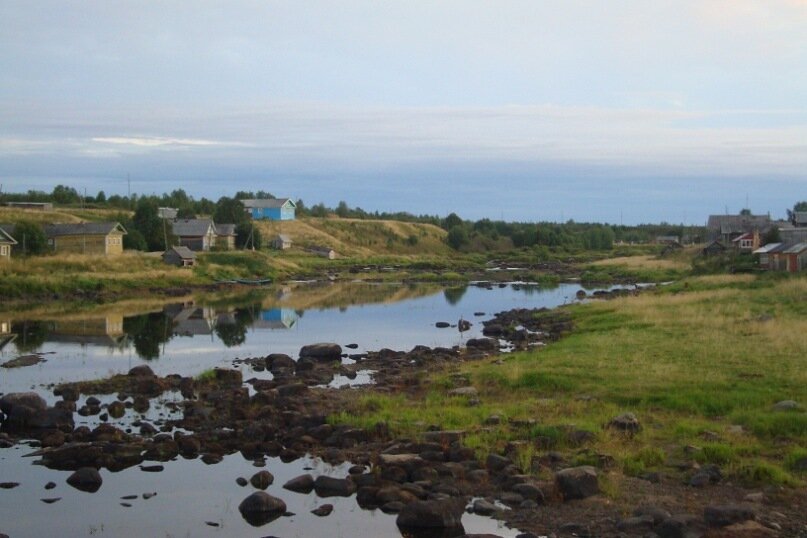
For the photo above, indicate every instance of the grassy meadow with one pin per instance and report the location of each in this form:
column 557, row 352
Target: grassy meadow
column 701, row 363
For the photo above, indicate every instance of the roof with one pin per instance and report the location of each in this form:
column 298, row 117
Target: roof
column 746, row 235
column 5, row 237
column 225, row 229
column 728, row 224
column 192, row 227
column 800, row 217
column 167, row 212
column 8, row 228
column 83, row 228
column 267, row 203
column 283, row 237
column 770, row 247
column 183, row 252
column 798, row 248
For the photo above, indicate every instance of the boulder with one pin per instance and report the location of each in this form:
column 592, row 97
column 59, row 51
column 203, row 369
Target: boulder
column 724, row 515
column 31, row 400
column 141, row 371
column 577, row 482
column 626, row 422
column 786, row 405
column 279, row 361
column 262, row 479
column 260, row 508
column 328, row 486
column 445, row 514
column 484, row 508
column 678, row 526
column 322, row 352
column 300, row 484
column 486, row 344
column 86, row 479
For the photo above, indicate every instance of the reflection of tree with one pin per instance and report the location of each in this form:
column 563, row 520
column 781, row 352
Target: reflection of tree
column 454, row 295
column 147, row 332
column 235, row 334
column 30, row 335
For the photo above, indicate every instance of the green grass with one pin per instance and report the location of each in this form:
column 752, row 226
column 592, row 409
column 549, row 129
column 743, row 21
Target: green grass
column 706, row 357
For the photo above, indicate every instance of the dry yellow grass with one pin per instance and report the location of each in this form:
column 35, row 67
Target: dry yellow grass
column 644, row 262
column 360, row 238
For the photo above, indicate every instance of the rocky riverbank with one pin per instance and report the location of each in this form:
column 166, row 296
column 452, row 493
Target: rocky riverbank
column 427, row 479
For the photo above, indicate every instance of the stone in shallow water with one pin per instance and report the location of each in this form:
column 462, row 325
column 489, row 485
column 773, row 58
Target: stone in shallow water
column 446, row 514
column 323, row 510
column 260, row 508
column 86, row 479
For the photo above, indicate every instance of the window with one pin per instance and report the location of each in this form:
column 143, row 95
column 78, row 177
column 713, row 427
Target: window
column 4, row 250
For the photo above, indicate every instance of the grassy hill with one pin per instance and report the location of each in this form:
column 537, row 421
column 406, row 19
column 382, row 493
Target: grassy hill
column 361, row 238
column 348, row 237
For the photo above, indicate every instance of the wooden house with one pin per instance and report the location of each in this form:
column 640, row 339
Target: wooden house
column 728, row 227
column 6, row 242
column 196, row 234
column 180, row 256
column 747, row 242
column 281, row 242
column 86, row 238
column 272, row 209
column 325, row 252
column 225, row 236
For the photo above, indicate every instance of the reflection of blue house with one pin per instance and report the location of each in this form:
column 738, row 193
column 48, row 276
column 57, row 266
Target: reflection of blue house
column 277, row 318
column 274, row 209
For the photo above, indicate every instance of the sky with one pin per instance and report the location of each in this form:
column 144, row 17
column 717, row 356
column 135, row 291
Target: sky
column 615, row 111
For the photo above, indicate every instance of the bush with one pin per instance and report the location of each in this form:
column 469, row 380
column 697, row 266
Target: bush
column 457, row 237
column 30, row 238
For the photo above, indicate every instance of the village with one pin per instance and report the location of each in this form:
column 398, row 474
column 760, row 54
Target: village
column 774, row 245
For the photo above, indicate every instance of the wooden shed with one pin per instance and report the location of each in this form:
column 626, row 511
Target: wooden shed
column 180, row 256
column 86, row 238
column 281, row 242
column 325, row 252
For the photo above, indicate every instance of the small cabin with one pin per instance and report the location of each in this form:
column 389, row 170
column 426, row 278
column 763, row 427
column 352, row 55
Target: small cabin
column 324, row 252
column 180, row 256
column 281, row 242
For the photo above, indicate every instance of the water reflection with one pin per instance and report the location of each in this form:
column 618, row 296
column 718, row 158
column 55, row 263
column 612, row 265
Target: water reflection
column 226, row 322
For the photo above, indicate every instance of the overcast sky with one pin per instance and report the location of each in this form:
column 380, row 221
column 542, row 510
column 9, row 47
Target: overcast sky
column 630, row 111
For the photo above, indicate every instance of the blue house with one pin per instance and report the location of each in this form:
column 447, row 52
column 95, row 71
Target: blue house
column 273, row 209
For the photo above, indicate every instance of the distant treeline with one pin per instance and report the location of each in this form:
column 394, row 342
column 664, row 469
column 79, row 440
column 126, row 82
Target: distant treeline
column 484, row 234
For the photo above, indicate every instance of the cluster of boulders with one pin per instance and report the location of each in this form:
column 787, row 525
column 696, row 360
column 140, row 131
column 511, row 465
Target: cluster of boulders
column 524, row 327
